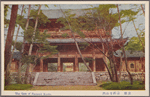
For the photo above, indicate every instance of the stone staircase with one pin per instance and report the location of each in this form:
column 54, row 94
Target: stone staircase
column 64, row 78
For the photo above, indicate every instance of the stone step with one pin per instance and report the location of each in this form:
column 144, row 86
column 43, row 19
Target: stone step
column 64, row 78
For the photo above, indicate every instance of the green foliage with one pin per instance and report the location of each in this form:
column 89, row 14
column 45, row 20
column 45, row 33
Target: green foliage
column 99, row 17
column 41, row 37
column 18, row 45
column 6, row 21
column 83, row 45
column 18, row 87
column 128, row 13
column 64, row 35
column 28, row 59
column 89, row 59
column 28, row 34
column 42, row 19
column 81, row 34
column 135, row 44
column 52, row 67
column 137, row 85
column 23, row 68
column 73, row 21
column 21, row 21
column 83, row 68
column 48, row 48
column 46, row 5
column 106, row 19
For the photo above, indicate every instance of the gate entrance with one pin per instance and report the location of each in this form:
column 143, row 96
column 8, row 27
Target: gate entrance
column 52, row 67
column 67, row 67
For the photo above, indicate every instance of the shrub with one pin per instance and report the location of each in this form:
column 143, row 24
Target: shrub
column 124, row 85
column 18, row 87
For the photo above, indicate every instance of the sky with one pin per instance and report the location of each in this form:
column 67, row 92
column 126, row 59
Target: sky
column 127, row 27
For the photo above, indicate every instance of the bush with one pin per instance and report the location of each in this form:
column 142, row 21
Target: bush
column 124, row 85
column 18, row 87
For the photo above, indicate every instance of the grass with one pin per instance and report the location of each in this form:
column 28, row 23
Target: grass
column 124, row 85
column 18, row 87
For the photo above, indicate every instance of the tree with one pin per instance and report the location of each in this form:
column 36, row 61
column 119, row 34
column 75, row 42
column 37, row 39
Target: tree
column 9, row 42
column 135, row 44
column 123, row 50
column 31, row 46
column 101, row 17
column 33, row 35
column 22, row 47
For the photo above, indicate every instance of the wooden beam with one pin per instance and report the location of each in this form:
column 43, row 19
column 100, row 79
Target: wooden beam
column 74, row 55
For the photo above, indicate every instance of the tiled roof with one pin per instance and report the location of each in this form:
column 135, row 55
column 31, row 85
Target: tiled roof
column 71, row 40
column 57, row 13
column 79, row 40
column 130, row 54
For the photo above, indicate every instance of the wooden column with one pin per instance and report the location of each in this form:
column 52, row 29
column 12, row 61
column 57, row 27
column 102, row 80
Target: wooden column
column 46, row 67
column 61, row 66
column 76, row 63
column 94, row 62
column 91, row 65
column 58, row 63
column 41, row 65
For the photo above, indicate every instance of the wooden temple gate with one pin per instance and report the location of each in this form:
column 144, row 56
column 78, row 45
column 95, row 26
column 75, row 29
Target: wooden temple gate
column 66, row 45
column 68, row 54
column 96, row 65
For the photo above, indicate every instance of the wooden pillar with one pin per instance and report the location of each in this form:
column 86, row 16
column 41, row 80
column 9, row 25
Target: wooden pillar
column 46, row 67
column 135, row 66
column 91, row 65
column 58, row 63
column 76, row 63
column 61, row 66
column 94, row 62
column 41, row 65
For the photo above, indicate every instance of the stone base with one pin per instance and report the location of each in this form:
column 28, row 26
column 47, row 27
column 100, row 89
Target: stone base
column 100, row 76
column 104, row 76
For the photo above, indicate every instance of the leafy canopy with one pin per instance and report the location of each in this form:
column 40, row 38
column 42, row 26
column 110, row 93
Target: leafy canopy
column 135, row 44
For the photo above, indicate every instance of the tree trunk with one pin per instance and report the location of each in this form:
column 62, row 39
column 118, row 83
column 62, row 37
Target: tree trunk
column 9, row 42
column 143, row 9
column 31, row 45
column 103, row 48
column 130, row 76
column 114, row 61
column 22, row 49
column 120, row 67
column 14, row 46
column 81, row 54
